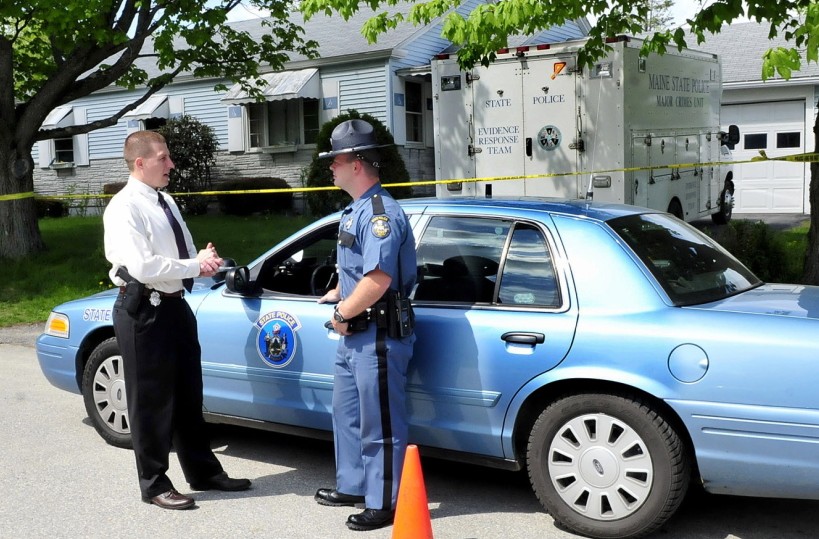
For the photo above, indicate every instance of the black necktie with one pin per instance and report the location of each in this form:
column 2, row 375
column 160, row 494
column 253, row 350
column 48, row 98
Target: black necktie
column 178, row 235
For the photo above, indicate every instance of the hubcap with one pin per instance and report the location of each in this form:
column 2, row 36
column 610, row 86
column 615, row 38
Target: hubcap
column 600, row 467
column 109, row 395
column 728, row 203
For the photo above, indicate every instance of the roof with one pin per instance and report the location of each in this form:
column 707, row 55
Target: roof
column 602, row 211
column 741, row 46
column 335, row 36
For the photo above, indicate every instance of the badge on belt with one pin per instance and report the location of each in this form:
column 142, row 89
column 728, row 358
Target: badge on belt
column 154, row 298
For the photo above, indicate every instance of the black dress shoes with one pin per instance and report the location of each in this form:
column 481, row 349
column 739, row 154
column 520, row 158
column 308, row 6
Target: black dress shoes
column 221, row 481
column 171, row 500
column 334, row 498
column 370, row 519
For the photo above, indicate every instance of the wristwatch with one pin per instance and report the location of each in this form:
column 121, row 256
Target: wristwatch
column 338, row 317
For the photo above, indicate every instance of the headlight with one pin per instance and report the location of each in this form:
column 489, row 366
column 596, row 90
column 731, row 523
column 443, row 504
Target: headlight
column 57, row 325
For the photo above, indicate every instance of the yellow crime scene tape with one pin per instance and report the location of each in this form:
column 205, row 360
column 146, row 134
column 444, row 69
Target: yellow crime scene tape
column 763, row 156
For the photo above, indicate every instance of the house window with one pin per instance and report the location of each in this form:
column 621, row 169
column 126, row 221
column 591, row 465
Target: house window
column 64, row 150
column 414, row 111
column 311, row 120
column 153, row 124
column 283, row 123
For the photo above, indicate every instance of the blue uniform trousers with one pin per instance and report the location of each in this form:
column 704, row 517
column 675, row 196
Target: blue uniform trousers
column 370, row 415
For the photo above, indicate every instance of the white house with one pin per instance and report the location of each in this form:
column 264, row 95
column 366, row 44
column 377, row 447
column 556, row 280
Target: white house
column 389, row 80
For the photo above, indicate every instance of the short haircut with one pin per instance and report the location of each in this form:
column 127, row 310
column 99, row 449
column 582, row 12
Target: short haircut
column 371, row 160
column 138, row 144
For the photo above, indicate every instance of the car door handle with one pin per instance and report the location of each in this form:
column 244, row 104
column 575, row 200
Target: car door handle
column 519, row 337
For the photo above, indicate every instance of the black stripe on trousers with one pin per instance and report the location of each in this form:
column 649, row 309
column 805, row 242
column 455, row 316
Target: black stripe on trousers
column 386, row 420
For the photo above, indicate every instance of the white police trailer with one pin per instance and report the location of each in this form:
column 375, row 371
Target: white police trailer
column 533, row 111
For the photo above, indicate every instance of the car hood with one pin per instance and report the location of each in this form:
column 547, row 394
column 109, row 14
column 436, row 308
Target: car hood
column 201, row 286
column 794, row 300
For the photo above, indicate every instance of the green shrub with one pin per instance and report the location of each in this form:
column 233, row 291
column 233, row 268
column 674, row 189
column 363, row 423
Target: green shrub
column 250, row 203
column 193, row 148
column 762, row 250
column 392, row 170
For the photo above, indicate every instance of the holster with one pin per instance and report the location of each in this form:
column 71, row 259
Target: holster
column 394, row 313
column 134, row 290
column 358, row 323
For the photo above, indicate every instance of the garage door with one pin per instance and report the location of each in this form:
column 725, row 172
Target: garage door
column 779, row 129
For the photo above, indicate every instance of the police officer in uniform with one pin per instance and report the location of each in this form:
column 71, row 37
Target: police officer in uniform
column 377, row 268
column 150, row 249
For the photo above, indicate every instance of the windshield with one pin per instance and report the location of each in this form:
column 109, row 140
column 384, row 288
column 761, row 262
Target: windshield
column 690, row 266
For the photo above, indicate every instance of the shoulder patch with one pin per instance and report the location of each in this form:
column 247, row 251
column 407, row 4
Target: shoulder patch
column 380, row 226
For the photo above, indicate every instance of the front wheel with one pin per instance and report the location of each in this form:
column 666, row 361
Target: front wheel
column 726, row 207
column 103, row 391
column 607, row 466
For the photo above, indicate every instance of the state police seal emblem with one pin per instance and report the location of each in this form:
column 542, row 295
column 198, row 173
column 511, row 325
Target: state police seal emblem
column 380, row 226
column 276, row 342
column 549, row 137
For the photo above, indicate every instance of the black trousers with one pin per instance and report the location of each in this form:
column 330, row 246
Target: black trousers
column 163, row 384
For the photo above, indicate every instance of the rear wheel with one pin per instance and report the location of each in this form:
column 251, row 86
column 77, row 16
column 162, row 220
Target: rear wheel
column 675, row 209
column 103, row 390
column 607, row 466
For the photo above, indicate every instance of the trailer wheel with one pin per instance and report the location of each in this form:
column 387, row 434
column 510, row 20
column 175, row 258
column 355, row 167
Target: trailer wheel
column 726, row 206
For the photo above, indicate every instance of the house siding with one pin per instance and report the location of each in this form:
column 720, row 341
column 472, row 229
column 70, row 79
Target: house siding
column 353, row 74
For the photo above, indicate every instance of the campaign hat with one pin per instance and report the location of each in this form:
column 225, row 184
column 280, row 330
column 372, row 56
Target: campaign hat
column 352, row 136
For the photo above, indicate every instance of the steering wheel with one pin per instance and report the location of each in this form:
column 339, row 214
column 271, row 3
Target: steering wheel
column 324, row 278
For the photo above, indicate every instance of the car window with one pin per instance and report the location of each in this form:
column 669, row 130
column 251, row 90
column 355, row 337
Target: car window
column 306, row 267
column 689, row 266
column 528, row 276
column 458, row 259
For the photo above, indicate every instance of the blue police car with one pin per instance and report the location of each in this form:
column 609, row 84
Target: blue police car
column 616, row 353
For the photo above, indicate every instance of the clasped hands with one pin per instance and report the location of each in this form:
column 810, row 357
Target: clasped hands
column 209, row 261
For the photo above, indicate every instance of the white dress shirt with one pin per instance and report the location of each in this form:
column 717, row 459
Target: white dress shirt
column 139, row 237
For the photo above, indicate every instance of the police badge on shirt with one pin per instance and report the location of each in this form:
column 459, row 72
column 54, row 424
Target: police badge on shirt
column 380, row 226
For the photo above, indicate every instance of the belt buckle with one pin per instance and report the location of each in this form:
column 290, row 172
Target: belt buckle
column 154, row 298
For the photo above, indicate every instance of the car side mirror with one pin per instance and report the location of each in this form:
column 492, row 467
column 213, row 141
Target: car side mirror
column 731, row 137
column 227, row 263
column 238, row 281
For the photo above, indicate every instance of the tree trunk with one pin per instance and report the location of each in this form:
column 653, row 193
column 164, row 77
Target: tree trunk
column 811, row 268
column 19, row 233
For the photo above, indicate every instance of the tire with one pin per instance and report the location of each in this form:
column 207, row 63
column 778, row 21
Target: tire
column 103, row 391
column 607, row 466
column 726, row 207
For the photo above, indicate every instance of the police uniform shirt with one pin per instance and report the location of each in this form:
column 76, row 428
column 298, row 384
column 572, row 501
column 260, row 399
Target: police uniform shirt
column 139, row 237
column 369, row 241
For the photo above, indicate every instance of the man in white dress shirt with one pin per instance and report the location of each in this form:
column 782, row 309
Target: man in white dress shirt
column 149, row 246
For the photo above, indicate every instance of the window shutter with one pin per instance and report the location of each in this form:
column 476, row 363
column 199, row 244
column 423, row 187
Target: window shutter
column 236, row 128
column 81, row 157
column 46, row 150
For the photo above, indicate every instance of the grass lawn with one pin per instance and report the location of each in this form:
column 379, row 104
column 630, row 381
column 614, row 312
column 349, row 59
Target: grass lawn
column 73, row 264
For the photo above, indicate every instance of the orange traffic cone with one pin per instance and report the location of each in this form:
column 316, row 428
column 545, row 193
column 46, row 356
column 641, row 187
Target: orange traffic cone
column 412, row 513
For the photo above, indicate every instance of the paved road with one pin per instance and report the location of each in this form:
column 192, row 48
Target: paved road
column 59, row 480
